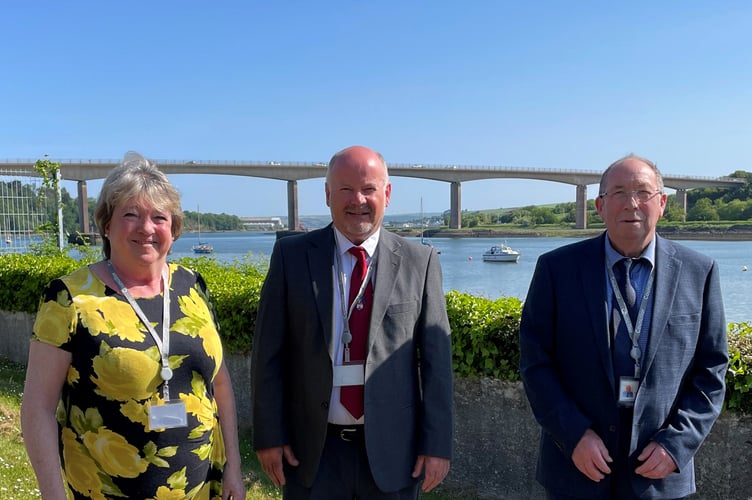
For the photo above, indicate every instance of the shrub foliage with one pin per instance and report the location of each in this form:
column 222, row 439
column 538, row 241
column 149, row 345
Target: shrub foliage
column 484, row 335
column 484, row 332
column 739, row 374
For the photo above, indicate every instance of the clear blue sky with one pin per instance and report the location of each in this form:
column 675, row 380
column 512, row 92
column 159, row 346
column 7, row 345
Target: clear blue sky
column 559, row 84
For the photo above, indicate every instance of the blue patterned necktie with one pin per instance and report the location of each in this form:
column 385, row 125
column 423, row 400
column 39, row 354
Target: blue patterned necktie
column 622, row 344
column 630, row 295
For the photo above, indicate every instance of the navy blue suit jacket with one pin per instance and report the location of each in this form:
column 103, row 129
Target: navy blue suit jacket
column 566, row 364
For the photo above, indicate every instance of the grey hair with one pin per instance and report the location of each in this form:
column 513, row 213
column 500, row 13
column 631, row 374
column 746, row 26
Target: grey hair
column 630, row 156
column 136, row 178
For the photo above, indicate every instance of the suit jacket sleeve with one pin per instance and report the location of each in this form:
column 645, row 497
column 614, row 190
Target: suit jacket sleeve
column 267, row 366
column 547, row 315
column 700, row 398
column 435, row 437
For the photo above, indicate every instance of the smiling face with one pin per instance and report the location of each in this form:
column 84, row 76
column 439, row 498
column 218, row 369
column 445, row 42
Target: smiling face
column 136, row 182
column 630, row 222
column 357, row 192
column 140, row 235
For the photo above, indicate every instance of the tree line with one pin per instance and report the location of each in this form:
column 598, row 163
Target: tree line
column 18, row 201
column 703, row 205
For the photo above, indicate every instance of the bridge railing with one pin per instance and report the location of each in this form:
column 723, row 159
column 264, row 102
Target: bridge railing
column 15, row 163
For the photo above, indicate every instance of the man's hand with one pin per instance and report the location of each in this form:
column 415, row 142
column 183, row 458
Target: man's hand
column 271, row 462
column 436, row 470
column 656, row 462
column 591, row 457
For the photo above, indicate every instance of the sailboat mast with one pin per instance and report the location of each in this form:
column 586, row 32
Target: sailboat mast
column 198, row 216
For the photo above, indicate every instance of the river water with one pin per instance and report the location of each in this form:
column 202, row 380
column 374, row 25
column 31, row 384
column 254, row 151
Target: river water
column 464, row 269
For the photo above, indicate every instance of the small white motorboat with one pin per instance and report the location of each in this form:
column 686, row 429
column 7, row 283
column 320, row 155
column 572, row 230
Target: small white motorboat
column 501, row 253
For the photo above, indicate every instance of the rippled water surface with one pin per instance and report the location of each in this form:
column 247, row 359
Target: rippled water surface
column 464, row 269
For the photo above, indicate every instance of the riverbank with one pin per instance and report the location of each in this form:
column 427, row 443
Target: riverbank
column 707, row 233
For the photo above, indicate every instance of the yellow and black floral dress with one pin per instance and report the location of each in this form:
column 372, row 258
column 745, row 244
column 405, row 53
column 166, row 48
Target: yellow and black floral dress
column 106, row 447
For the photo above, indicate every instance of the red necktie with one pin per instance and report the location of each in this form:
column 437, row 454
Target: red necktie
column 351, row 396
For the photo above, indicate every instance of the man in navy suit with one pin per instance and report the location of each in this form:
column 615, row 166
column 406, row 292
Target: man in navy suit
column 310, row 439
column 623, row 351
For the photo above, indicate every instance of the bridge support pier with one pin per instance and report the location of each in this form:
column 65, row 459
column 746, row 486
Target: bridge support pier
column 455, row 195
column 83, row 206
column 293, row 223
column 581, row 207
column 681, row 199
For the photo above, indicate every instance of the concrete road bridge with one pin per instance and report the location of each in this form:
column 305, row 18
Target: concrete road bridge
column 292, row 172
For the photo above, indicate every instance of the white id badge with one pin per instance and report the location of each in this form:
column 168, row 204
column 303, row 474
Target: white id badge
column 628, row 387
column 353, row 374
column 167, row 416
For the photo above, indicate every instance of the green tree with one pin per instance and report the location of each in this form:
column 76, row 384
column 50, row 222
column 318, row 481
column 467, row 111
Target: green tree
column 703, row 210
column 542, row 215
column 593, row 217
column 48, row 199
column 733, row 210
column 673, row 211
column 71, row 222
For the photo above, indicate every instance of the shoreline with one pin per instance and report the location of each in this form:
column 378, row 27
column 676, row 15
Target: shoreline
column 707, row 234
column 671, row 234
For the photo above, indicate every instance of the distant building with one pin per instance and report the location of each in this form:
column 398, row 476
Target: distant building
column 262, row 223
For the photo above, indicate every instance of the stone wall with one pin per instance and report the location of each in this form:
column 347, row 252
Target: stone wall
column 15, row 334
column 496, row 440
column 496, row 436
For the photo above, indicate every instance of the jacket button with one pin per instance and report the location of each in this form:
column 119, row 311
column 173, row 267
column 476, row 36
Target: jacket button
column 325, row 405
column 612, row 428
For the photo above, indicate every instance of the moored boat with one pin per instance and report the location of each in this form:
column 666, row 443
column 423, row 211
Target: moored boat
column 201, row 246
column 501, row 253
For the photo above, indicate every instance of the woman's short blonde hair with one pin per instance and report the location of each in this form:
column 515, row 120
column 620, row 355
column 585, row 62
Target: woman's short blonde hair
column 136, row 178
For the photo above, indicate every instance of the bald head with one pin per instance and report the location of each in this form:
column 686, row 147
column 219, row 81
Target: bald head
column 357, row 192
column 356, row 154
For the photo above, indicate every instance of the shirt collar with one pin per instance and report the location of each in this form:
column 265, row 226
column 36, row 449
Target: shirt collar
column 370, row 244
column 613, row 256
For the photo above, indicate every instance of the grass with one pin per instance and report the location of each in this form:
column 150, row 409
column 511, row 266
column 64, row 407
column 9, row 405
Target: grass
column 17, row 480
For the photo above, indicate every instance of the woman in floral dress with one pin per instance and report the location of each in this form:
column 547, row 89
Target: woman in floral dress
column 127, row 394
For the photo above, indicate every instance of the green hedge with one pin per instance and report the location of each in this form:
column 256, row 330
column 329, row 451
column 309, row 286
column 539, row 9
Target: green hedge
column 235, row 289
column 484, row 332
column 24, row 276
column 739, row 374
column 485, row 335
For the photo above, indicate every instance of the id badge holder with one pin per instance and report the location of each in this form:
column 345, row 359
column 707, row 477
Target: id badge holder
column 628, row 387
column 349, row 374
column 169, row 415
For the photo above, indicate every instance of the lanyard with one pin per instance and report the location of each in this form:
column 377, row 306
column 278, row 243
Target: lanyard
column 163, row 344
column 634, row 330
column 343, row 294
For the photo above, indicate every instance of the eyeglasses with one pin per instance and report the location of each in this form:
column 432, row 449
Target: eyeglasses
column 641, row 196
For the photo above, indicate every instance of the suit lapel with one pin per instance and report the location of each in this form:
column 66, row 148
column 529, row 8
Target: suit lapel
column 320, row 257
column 667, row 269
column 388, row 261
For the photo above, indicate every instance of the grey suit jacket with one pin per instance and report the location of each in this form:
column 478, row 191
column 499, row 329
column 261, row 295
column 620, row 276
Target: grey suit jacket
column 408, row 380
column 567, row 370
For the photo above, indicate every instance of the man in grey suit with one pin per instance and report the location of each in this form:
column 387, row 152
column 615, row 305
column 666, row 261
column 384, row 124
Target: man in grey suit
column 623, row 351
column 308, row 439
